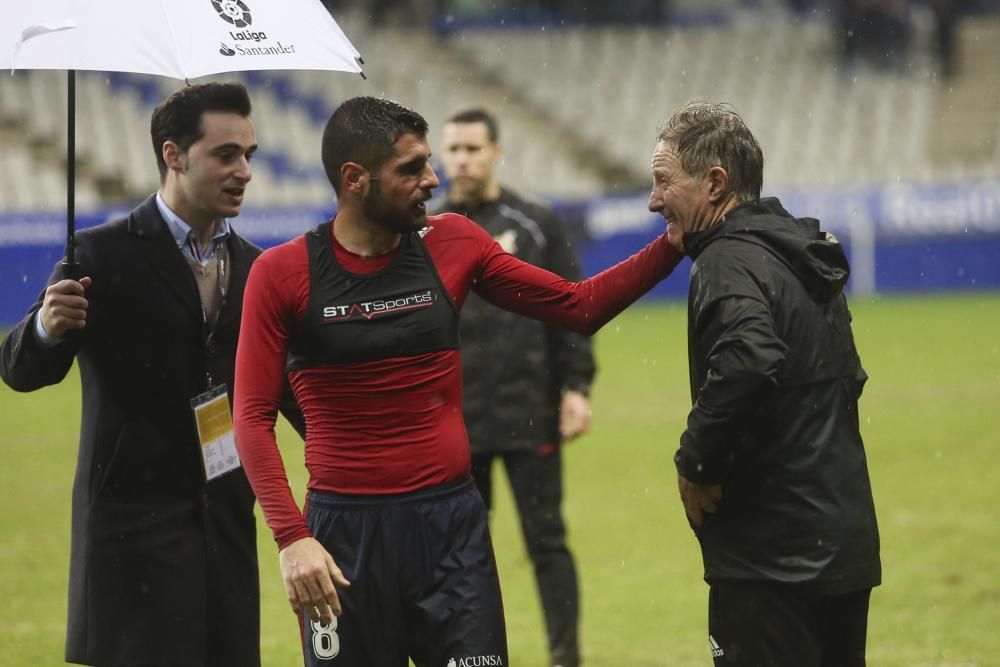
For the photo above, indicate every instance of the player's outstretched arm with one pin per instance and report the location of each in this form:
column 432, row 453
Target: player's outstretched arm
column 583, row 306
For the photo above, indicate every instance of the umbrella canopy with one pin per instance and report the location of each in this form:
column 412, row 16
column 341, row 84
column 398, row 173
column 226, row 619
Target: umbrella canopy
column 177, row 38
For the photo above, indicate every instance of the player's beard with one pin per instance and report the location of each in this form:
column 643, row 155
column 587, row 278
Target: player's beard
column 397, row 222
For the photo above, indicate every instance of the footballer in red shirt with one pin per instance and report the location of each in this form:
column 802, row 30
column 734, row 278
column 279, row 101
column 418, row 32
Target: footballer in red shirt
column 392, row 557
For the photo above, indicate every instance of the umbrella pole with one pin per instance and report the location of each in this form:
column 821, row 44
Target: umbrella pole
column 70, row 267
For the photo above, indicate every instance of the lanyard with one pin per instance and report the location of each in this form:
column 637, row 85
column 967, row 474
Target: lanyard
column 209, row 329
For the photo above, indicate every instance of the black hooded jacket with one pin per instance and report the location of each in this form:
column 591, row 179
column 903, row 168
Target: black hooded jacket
column 514, row 368
column 775, row 381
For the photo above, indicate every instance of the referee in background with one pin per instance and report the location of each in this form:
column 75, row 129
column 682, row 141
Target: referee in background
column 526, row 385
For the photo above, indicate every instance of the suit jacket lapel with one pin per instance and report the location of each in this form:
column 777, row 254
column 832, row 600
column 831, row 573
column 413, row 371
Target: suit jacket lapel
column 163, row 255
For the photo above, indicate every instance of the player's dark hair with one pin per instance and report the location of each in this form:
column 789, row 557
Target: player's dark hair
column 364, row 130
column 477, row 115
column 708, row 134
column 178, row 118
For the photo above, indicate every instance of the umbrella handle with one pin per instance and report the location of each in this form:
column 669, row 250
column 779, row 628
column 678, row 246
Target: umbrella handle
column 71, row 270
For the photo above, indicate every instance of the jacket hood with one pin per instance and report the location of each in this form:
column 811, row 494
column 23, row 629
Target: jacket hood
column 814, row 256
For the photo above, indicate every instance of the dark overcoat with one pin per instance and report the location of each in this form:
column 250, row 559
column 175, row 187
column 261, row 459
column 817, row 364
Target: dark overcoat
column 163, row 567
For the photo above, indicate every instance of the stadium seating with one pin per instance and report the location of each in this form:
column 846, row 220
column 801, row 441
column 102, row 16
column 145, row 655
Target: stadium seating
column 817, row 122
column 579, row 105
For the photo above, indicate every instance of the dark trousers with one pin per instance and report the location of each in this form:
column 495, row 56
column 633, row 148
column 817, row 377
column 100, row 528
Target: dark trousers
column 536, row 481
column 753, row 623
column 423, row 580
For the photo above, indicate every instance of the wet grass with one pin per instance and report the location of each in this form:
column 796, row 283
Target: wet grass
column 930, row 423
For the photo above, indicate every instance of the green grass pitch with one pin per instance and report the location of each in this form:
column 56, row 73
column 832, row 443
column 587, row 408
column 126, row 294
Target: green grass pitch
column 930, row 422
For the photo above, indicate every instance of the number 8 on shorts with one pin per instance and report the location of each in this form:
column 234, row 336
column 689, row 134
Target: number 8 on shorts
column 325, row 642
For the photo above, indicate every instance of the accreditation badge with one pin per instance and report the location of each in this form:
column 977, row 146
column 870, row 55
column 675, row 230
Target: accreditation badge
column 215, row 432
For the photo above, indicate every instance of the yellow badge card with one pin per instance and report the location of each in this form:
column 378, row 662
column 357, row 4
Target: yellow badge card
column 215, row 432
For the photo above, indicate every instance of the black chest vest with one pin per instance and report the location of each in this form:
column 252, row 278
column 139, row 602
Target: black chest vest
column 400, row 311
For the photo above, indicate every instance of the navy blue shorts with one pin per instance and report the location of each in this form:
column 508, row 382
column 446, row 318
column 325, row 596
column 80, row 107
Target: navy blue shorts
column 423, row 579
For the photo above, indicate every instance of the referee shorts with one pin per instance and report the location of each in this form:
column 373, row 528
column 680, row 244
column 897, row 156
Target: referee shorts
column 424, row 582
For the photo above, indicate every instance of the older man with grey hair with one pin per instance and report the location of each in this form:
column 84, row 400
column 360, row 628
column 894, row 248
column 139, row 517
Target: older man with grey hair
column 771, row 467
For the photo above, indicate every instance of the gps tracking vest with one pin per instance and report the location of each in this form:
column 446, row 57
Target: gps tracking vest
column 400, row 311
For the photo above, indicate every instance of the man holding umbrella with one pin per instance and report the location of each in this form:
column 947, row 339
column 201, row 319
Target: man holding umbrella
column 163, row 567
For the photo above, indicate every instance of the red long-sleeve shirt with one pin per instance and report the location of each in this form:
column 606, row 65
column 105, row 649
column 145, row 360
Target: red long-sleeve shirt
column 394, row 425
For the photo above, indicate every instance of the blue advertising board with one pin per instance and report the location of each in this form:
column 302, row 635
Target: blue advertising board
column 911, row 238
column 899, row 238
